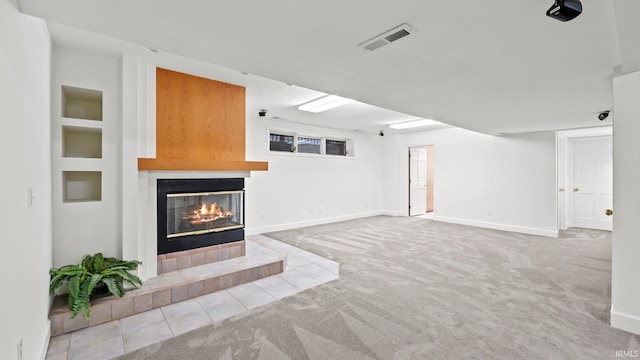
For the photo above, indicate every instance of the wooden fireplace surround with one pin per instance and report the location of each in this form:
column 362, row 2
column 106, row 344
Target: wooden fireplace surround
column 200, row 125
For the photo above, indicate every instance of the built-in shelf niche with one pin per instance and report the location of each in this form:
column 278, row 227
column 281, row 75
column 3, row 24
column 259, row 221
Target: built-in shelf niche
column 79, row 103
column 81, row 186
column 81, row 142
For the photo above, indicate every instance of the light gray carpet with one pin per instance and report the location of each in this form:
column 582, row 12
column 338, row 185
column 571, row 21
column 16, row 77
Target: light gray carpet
column 413, row 288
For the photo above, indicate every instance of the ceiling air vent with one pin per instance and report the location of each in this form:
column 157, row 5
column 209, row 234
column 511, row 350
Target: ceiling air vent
column 387, row 37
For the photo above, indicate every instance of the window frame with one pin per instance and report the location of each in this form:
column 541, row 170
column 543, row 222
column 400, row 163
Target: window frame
column 346, row 146
column 349, row 145
column 282, row 133
column 320, row 147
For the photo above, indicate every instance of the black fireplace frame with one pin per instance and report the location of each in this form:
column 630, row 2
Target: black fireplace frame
column 188, row 242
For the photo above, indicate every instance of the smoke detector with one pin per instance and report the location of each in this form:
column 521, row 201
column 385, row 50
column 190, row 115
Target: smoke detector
column 388, row 37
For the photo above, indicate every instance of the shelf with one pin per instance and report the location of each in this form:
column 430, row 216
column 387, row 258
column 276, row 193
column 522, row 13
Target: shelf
column 81, row 164
column 201, row 165
column 80, row 142
column 81, row 186
column 79, row 103
column 82, row 123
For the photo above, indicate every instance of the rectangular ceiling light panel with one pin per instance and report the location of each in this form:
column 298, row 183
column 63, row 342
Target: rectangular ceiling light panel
column 413, row 124
column 324, row 103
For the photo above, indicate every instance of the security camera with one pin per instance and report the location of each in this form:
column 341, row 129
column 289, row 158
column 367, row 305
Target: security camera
column 262, row 113
column 603, row 115
column 381, row 133
column 565, row 10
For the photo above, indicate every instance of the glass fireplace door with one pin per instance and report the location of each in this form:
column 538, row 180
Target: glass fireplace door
column 204, row 212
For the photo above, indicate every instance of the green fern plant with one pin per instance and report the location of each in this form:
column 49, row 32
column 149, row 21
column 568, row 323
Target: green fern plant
column 92, row 273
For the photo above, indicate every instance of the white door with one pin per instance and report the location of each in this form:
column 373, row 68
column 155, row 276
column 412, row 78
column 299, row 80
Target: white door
column 592, row 183
column 417, row 181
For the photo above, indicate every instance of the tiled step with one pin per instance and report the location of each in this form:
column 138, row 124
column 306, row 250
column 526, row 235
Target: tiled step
column 172, row 287
column 205, row 255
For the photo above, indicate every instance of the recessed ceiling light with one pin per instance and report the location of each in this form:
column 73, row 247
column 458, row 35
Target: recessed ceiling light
column 324, row 103
column 413, row 124
column 153, row 49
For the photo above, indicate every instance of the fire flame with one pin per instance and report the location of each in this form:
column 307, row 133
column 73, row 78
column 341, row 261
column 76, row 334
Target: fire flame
column 207, row 213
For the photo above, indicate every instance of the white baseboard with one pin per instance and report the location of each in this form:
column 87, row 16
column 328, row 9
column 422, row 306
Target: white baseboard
column 482, row 224
column 394, row 213
column 626, row 322
column 498, row 226
column 299, row 224
column 45, row 345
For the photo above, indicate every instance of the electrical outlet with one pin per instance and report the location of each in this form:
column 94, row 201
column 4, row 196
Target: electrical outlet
column 320, row 210
column 261, row 216
column 489, row 212
column 20, row 349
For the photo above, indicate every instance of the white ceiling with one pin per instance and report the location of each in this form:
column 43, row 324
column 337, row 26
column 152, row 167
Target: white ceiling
column 497, row 66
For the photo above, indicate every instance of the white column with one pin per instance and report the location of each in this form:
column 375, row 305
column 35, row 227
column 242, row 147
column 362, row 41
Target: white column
column 625, row 286
column 129, row 120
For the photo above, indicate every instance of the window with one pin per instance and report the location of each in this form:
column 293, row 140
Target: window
column 308, row 145
column 282, row 141
column 278, row 142
column 336, row 147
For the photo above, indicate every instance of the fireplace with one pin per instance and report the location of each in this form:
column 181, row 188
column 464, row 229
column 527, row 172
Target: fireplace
column 195, row 213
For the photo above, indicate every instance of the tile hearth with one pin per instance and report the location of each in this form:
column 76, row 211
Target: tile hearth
column 206, row 255
column 110, row 339
column 170, row 288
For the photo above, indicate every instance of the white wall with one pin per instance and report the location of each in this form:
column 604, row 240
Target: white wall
column 626, row 12
column 25, row 259
column 303, row 190
column 625, row 254
column 514, row 176
column 87, row 227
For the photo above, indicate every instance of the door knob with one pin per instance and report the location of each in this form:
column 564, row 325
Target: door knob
column 576, row 189
column 609, row 212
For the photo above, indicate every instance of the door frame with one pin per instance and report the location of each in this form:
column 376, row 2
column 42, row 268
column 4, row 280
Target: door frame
column 564, row 164
column 430, row 166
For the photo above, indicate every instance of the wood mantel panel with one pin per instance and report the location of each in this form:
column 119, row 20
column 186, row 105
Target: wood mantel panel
column 198, row 118
column 200, row 165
